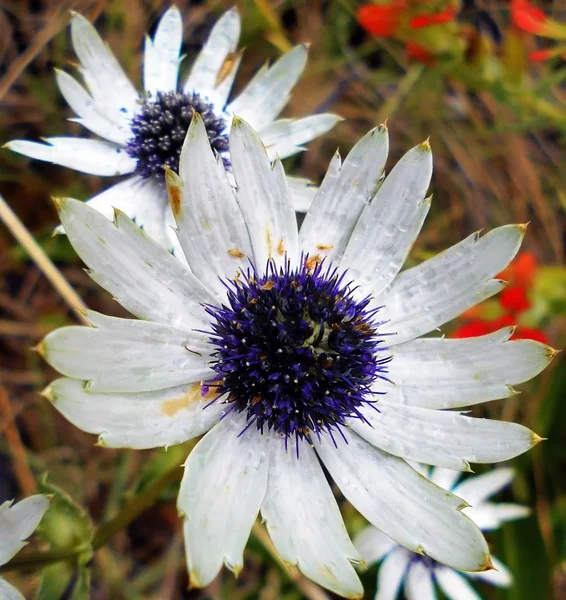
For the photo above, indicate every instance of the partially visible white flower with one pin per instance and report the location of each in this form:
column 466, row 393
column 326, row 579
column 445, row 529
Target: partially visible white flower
column 17, row 523
column 419, row 573
column 145, row 132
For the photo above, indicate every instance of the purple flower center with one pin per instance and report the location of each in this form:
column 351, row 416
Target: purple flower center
column 160, row 127
column 296, row 350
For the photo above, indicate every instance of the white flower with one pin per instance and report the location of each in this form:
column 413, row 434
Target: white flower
column 419, row 573
column 299, row 365
column 17, row 523
column 145, row 132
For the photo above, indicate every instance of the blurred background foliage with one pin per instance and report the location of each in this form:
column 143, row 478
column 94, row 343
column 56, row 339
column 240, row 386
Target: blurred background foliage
column 484, row 80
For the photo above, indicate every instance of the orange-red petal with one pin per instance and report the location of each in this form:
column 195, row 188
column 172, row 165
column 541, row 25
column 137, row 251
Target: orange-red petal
column 433, row 19
column 514, row 299
column 380, row 20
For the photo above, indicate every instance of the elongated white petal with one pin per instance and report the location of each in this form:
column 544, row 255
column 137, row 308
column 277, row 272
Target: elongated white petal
column 403, row 504
column 143, row 277
column 454, row 585
column 499, row 577
column 476, row 490
column 88, row 156
column 161, row 56
column 211, row 227
column 445, row 478
column 304, row 521
column 104, row 76
column 389, row 225
column 263, row 197
column 127, row 355
column 391, row 574
column 302, row 193
column 221, row 493
column 450, row 373
column 104, row 123
column 17, row 522
column 444, row 438
column 439, row 289
column 489, row 516
column 9, row 592
column 143, row 420
column 343, row 194
column 286, row 137
column 418, row 583
column 219, row 48
column 373, row 545
column 225, row 81
column 143, row 200
column 268, row 92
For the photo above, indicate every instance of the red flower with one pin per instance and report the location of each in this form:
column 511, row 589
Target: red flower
column 529, row 333
column 528, row 17
column 514, row 299
column 381, row 20
column 473, row 329
column 425, row 20
column 419, row 53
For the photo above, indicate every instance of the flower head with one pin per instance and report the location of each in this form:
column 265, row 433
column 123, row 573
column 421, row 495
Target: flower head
column 17, row 523
column 418, row 574
column 143, row 132
column 294, row 348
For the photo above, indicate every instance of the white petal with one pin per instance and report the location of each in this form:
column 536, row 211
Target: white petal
column 418, row 583
column 143, row 420
column 304, row 521
column 143, row 200
column 145, row 278
column 489, row 516
column 18, row 522
column 81, row 154
column 443, row 438
column 8, row 591
column 219, row 48
column 269, row 91
column 161, row 56
column 127, row 355
column 500, row 576
column 389, row 225
column 439, row 289
column 104, row 123
column 222, row 490
column 391, row 574
column 343, row 194
column 454, row 585
column 373, row 545
column 211, row 227
column 403, row 504
column 263, row 197
column 449, row 373
column 302, row 193
column 445, row 478
column 105, row 78
column 475, row 490
column 286, row 137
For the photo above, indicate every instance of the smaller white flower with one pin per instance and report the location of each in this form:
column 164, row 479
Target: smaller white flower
column 144, row 132
column 420, row 573
column 17, row 523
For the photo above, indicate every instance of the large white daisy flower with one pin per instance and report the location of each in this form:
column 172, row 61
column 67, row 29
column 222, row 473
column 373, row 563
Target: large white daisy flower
column 295, row 348
column 420, row 573
column 17, row 523
column 144, row 132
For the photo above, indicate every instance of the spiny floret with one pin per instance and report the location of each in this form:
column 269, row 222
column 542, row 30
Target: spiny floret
column 160, row 127
column 296, row 350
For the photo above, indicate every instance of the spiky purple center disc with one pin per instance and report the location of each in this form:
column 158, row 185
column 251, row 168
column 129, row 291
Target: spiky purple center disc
column 295, row 350
column 160, row 126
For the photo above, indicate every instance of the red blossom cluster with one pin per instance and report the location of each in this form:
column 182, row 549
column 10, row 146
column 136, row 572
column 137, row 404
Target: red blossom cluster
column 513, row 301
column 396, row 19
